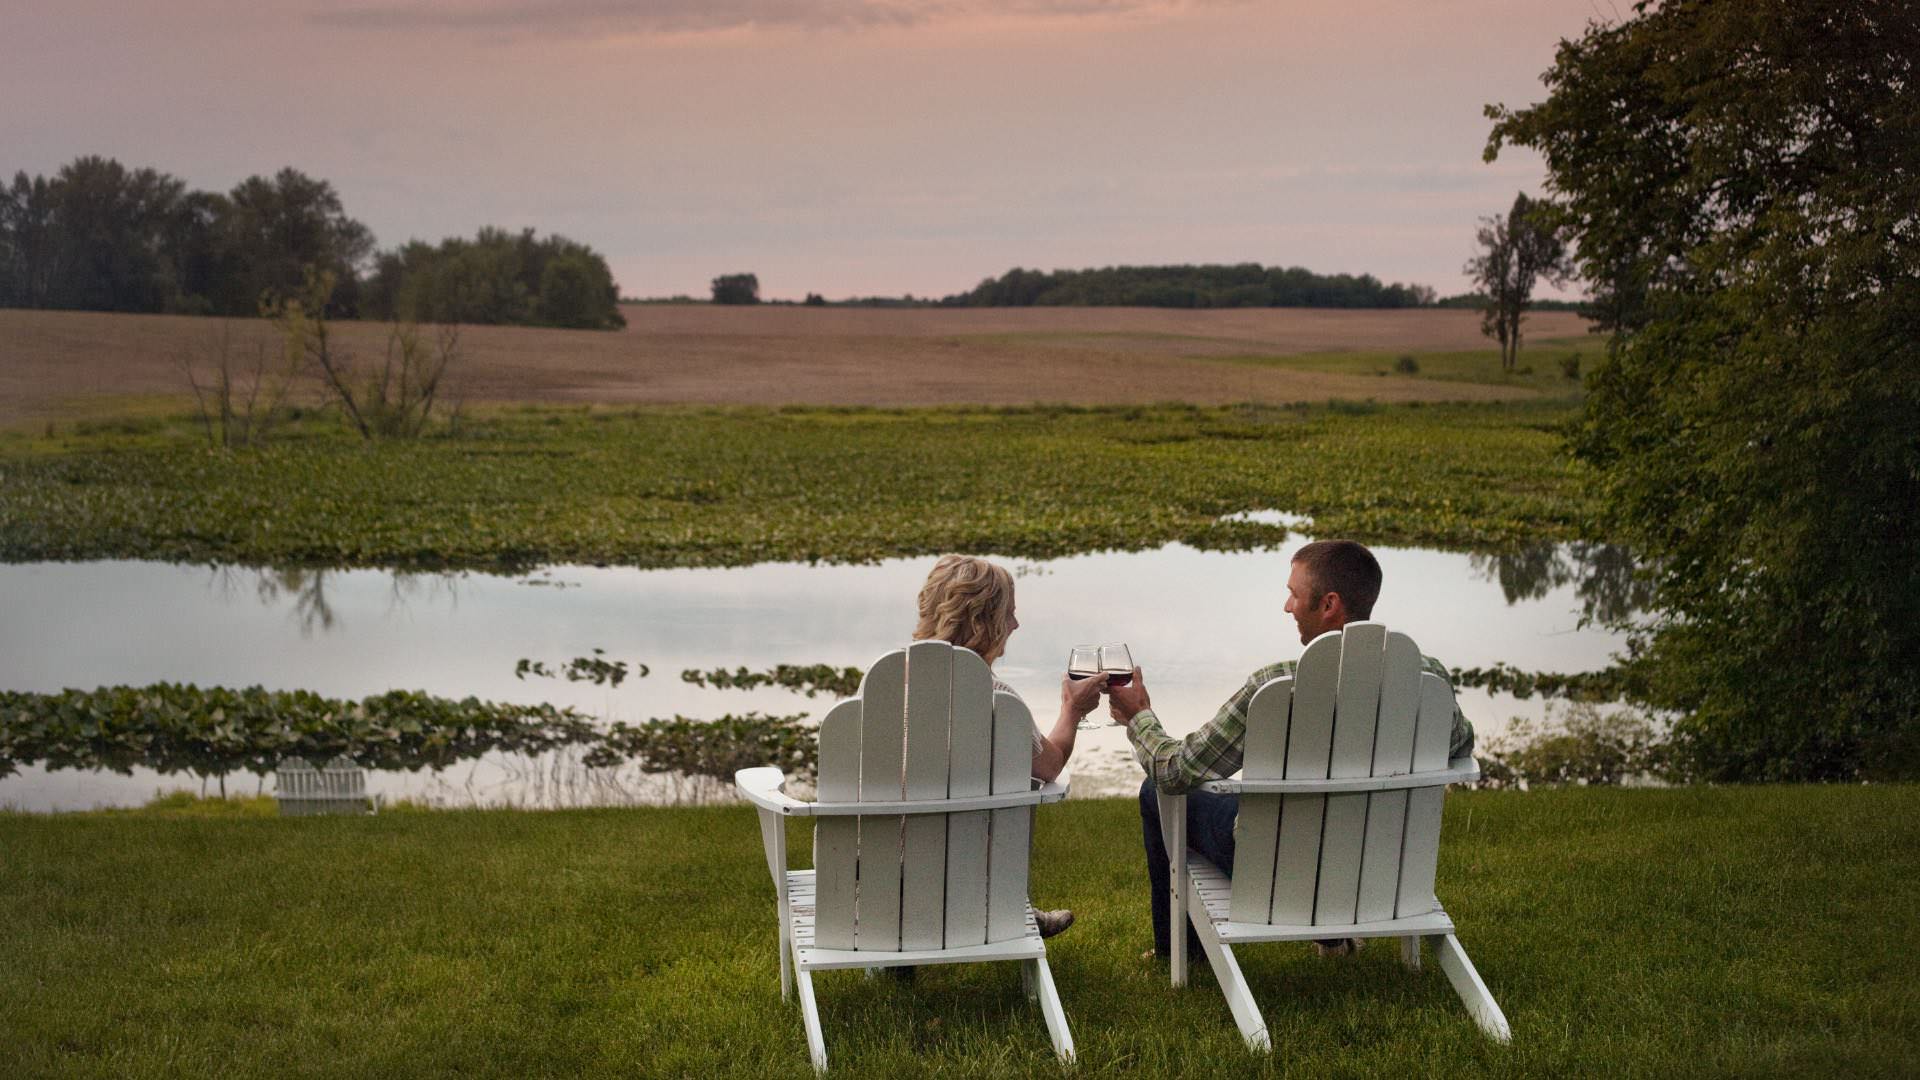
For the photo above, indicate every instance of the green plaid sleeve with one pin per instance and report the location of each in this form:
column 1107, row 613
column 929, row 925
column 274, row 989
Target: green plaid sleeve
column 1460, row 741
column 1214, row 751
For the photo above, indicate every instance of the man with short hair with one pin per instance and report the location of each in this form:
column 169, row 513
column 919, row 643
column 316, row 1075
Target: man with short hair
column 1332, row 583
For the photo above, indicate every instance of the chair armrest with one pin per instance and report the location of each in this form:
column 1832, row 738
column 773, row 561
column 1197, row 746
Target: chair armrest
column 761, row 787
column 1459, row 771
column 1052, row 792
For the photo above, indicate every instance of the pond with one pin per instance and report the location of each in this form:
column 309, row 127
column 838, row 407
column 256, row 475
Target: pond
column 1197, row 621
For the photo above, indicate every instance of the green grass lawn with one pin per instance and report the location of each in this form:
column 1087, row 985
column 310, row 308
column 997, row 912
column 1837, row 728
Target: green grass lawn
column 672, row 487
column 1701, row 931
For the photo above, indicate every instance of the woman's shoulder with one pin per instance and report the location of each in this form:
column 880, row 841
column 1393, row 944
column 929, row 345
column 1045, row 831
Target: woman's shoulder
column 1003, row 688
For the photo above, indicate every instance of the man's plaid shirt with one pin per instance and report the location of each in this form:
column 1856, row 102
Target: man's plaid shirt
column 1215, row 751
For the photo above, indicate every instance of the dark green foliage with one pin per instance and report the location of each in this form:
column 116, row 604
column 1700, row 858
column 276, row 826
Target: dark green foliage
column 172, row 728
column 1743, row 182
column 1582, row 746
column 810, row 679
column 279, row 231
column 496, row 278
column 814, row 299
column 676, row 487
column 1570, row 366
column 1607, row 684
column 1405, row 364
column 736, row 289
column 596, row 669
column 1244, row 285
column 714, row 749
column 99, row 237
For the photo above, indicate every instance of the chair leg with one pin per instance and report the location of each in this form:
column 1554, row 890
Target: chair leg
column 1410, row 953
column 1473, row 993
column 1233, row 984
column 786, row 956
column 810, row 1015
column 1173, row 829
column 1038, row 975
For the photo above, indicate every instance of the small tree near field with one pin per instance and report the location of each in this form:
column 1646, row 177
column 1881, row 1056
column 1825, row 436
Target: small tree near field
column 1516, row 249
column 736, row 289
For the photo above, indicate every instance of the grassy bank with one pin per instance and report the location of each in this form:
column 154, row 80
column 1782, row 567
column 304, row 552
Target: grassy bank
column 1549, row 368
column 1715, row 932
column 668, row 487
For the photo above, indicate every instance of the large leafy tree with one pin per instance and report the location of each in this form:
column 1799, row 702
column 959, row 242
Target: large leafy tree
column 736, row 289
column 95, row 237
column 280, row 228
column 1742, row 181
column 496, row 277
column 29, row 242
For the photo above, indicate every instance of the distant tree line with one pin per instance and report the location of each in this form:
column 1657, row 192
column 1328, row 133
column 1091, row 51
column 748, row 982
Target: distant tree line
column 97, row 236
column 1209, row 286
column 1476, row 301
column 497, row 277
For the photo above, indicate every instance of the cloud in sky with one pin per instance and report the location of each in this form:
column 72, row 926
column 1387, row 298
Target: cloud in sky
column 587, row 17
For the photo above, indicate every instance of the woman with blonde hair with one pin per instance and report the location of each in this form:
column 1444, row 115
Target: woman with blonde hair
column 969, row 602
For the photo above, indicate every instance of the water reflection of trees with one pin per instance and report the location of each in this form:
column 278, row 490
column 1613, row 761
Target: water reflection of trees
column 1602, row 576
column 312, row 608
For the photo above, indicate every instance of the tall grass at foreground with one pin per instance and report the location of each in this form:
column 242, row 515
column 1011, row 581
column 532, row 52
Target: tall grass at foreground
column 681, row 487
column 1710, row 932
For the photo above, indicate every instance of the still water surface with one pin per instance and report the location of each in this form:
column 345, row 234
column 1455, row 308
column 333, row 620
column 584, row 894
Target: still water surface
column 1197, row 621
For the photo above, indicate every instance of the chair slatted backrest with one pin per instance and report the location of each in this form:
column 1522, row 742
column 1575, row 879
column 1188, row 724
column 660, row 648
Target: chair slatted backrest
column 1358, row 705
column 926, row 726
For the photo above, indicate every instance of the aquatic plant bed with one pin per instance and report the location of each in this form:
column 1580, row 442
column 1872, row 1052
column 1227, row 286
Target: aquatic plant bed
column 719, row 487
column 1704, row 931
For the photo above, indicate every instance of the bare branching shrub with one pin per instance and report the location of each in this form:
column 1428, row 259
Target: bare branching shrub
column 240, row 397
column 398, row 398
column 392, row 399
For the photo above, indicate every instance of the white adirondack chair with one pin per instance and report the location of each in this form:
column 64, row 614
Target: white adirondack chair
column 921, row 835
column 1339, row 828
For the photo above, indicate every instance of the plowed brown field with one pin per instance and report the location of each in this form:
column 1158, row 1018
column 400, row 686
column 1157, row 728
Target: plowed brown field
column 53, row 361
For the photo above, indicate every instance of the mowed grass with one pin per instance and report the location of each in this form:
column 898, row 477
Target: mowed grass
column 678, row 486
column 1701, row 931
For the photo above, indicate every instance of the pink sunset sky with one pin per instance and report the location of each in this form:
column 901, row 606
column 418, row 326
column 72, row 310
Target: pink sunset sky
column 845, row 147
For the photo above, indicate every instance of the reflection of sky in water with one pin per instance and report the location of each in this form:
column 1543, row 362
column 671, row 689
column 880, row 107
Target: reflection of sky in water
column 1198, row 623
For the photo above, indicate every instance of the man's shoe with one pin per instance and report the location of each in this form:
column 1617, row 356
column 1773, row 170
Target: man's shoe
column 1342, row 947
column 1053, row 922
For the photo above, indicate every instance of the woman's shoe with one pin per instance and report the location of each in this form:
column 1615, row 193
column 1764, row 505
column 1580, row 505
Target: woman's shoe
column 1053, row 922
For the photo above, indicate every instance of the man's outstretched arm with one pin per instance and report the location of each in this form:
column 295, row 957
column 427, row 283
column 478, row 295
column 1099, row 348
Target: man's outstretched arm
column 1175, row 765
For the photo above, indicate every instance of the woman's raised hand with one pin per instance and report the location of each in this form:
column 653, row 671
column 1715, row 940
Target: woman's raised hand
column 1080, row 696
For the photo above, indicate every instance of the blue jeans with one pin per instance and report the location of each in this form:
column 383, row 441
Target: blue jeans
column 1209, row 831
column 1210, row 820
